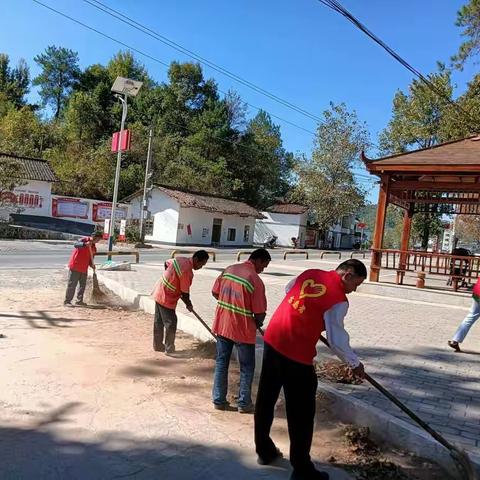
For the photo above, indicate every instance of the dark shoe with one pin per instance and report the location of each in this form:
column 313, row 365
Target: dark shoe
column 67, row 304
column 159, row 348
column 80, row 303
column 247, row 409
column 453, row 344
column 170, row 349
column 312, row 474
column 221, row 406
column 268, row 459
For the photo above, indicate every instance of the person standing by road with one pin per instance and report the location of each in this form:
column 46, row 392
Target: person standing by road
column 468, row 321
column 174, row 284
column 241, row 309
column 81, row 258
column 315, row 301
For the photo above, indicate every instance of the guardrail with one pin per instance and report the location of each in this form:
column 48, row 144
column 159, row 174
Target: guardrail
column 135, row 253
column 176, row 252
column 295, row 252
column 363, row 253
column 330, row 252
column 243, row 252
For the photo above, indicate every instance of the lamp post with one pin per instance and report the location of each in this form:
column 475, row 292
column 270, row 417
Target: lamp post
column 127, row 88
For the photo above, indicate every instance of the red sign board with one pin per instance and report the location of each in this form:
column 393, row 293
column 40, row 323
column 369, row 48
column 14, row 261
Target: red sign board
column 69, row 208
column 361, row 225
column 126, row 141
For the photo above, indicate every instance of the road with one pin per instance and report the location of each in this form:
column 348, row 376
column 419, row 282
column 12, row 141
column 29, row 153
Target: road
column 45, row 255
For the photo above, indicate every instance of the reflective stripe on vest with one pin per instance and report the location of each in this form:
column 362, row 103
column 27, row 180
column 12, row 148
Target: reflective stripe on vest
column 177, row 268
column 234, row 278
column 168, row 284
column 235, row 308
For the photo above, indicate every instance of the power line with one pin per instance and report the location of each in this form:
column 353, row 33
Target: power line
column 140, row 52
column 337, row 7
column 218, row 68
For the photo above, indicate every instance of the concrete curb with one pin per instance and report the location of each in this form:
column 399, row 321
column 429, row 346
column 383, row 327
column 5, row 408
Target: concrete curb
column 384, row 427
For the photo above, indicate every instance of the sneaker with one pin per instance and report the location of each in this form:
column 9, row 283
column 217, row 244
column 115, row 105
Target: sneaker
column 453, row 344
column 247, row 409
column 312, row 474
column 268, row 459
column 67, row 304
column 81, row 303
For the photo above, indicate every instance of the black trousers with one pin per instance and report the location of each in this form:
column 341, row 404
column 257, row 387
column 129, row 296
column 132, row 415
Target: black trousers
column 299, row 384
column 75, row 278
column 164, row 326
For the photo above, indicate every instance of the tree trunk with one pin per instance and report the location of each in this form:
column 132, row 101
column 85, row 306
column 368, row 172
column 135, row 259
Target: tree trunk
column 425, row 234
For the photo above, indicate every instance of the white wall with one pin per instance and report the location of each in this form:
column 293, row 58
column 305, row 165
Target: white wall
column 284, row 226
column 201, row 224
column 41, row 193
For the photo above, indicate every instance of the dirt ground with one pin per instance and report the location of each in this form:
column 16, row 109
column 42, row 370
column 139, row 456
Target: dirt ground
column 85, row 396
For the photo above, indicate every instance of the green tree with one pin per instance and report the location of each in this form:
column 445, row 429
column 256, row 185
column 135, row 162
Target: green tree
column 60, row 73
column 326, row 181
column 21, row 133
column 468, row 18
column 14, row 82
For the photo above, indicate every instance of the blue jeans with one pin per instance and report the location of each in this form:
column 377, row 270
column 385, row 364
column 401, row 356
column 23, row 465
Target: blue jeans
column 246, row 358
column 468, row 321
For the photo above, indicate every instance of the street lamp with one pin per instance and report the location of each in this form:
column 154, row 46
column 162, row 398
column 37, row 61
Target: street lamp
column 127, row 88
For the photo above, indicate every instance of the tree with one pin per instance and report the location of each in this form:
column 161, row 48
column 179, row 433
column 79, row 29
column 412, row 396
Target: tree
column 467, row 228
column 60, row 73
column 11, row 173
column 14, row 82
column 419, row 117
column 468, row 18
column 326, row 182
column 21, row 133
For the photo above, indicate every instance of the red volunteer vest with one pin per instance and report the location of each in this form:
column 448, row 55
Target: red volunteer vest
column 297, row 324
column 476, row 291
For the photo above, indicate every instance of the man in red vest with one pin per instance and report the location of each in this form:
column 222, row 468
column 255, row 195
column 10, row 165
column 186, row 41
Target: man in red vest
column 315, row 301
column 80, row 260
column 472, row 316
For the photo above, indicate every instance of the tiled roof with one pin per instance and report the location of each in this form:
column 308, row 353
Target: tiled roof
column 32, row 168
column 290, row 208
column 210, row 203
column 458, row 152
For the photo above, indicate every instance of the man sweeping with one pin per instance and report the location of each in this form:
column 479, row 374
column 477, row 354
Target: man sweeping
column 81, row 258
column 241, row 309
column 315, row 301
column 173, row 286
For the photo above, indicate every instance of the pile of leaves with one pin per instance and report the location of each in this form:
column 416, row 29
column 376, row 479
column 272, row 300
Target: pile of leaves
column 336, row 372
column 369, row 463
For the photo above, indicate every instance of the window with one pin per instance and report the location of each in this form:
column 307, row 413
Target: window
column 149, row 226
column 246, row 233
column 232, row 233
column 204, row 232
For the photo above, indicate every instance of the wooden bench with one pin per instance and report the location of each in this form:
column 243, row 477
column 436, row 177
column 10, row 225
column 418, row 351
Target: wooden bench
column 191, row 252
column 136, row 253
column 295, row 252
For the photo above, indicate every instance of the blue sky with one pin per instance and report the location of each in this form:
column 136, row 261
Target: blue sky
column 297, row 49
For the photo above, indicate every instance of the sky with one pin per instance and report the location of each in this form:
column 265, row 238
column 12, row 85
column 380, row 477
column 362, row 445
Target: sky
column 296, row 49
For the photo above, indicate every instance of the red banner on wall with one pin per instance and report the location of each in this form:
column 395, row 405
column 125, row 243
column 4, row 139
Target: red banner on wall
column 69, row 208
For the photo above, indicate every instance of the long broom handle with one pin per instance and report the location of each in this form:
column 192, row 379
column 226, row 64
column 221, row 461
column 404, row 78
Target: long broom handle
column 200, row 319
column 404, row 408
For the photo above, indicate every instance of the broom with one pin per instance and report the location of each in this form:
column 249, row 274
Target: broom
column 462, row 461
column 96, row 294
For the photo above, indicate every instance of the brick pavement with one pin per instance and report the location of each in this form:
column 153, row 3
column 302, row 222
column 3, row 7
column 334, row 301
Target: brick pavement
column 402, row 343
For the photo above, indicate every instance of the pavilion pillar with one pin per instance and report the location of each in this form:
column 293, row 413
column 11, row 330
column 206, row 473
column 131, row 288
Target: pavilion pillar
column 404, row 243
column 379, row 228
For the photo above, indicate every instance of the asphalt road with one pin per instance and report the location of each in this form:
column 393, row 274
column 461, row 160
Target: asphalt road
column 28, row 255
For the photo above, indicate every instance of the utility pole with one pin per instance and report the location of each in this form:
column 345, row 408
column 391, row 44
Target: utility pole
column 144, row 206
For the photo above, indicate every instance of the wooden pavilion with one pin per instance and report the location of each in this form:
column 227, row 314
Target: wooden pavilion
column 442, row 179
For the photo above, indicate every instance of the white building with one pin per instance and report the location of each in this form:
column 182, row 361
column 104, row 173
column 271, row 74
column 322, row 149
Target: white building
column 285, row 221
column 32, row 204
column 180, row 217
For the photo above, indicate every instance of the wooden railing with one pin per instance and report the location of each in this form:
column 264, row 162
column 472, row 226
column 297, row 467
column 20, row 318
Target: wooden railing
column 457, row 268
